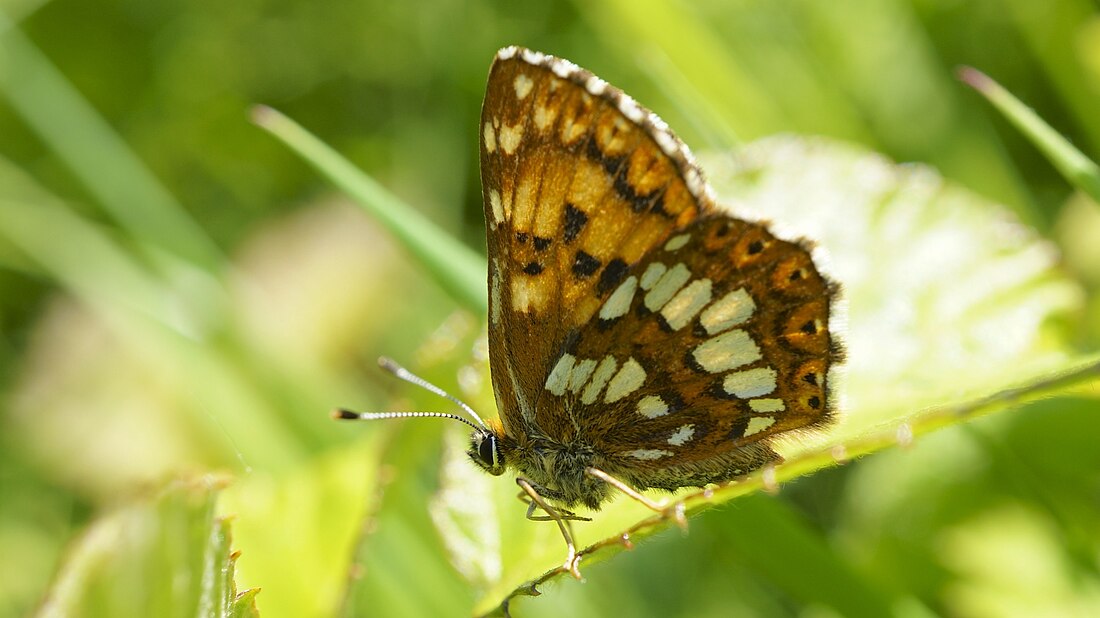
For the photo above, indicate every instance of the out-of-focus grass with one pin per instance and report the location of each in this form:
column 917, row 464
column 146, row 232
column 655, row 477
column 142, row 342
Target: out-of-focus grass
column 127, row 359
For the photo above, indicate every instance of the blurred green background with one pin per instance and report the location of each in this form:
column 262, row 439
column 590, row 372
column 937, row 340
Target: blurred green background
column 179, row 293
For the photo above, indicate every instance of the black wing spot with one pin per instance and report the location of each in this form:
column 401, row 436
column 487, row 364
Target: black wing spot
column 575, row 220
column 626, row 191
column 658, row 206
column 689, row 361
column 814, row 401
column 797, row 274
column 616, row 170
column 533, row 268
column 569, row 343
column 521, row 238
column 612, row 274
column 755, row 247
column 611, row 164
column 638, row 203
column 737, row 431
column 673, row 400
column 663, row 324
column 541, row 243
column 718, row 390
column 584, row 265
column 810, row 378
column 810, row 328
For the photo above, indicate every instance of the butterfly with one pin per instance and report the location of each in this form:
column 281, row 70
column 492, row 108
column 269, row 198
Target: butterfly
column 640, row 336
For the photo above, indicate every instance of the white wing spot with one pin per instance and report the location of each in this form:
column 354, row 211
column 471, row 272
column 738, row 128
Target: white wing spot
column 496, row 206
column 726, row 351
column 668, row 284
column 529, row 294
column 649, row 453
column 682, row 435
column 543, row 116
column 758, row 424
column 490, row 137
column 652, row 406
column 523, row 201
column 580, row 374
column 510, row 138
column 563, row 68
column 595, row 86
column 750, row 383
column 600, row 377
column 523, row 85
column 683, row 307
column 507, row 203
column 533, row 57
column 619, row 302
column 629, row 107
column 728, row 311
column 694, row 181
column 559, row 376
column 666, row 142
column 628, row 380
column 767, row 405
column 677, row 242
column 652, row 274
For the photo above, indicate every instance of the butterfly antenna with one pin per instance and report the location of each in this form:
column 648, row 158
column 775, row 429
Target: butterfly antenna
column 344, row 414
column 404, row 374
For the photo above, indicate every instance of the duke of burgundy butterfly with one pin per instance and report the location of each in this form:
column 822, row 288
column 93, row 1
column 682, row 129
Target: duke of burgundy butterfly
column 640, row 336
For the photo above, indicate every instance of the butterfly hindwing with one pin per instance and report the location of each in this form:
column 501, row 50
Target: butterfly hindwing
column 713, row 342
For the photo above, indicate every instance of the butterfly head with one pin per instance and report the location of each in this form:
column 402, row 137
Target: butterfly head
column 485, row 451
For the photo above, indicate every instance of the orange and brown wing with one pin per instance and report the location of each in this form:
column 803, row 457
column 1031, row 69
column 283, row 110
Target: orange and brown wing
column 627, row 313
column 715, row 341
column 579, row 184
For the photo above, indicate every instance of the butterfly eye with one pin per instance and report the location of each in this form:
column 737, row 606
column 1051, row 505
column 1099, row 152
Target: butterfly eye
column 485, row 453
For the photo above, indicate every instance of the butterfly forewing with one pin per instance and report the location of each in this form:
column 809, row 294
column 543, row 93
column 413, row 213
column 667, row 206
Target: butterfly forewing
column 628, row 315
column 575, row 194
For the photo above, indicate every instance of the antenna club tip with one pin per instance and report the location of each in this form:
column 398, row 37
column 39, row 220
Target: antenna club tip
column 388, row 364
column 341, row 414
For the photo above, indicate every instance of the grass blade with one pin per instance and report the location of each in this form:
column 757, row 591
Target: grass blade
column 1077, row 168
column 455, row 267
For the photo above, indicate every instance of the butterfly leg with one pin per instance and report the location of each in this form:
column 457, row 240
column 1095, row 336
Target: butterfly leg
column 559, row 517
column 676, row 511
column 562, row 513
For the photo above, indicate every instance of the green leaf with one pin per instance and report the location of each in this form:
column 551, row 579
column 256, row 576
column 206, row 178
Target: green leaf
column 401, row 567
column 295, row 530
column 953, row 310
column 166, row 555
